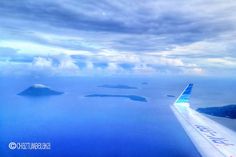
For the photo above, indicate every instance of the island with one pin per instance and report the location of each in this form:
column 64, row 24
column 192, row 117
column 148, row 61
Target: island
column 228, row 111
column 131, row 97
column 39, row 90
column 170, row 96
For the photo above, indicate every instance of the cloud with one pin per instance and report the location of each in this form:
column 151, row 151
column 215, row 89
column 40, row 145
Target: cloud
column 56, row 65
column 144, row 69
column 119, row 36
column 226, row 61
column 42, row 62
column 125, row 25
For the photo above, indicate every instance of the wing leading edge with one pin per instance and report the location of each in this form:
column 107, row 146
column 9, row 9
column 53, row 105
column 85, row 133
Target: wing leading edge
column 210, row 138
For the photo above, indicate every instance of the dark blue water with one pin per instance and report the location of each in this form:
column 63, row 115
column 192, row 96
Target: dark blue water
column 94, row 127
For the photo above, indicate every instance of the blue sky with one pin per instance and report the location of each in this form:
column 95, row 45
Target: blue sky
column 124, row 37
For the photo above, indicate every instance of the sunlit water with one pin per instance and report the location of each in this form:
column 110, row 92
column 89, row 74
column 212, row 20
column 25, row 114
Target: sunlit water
column 76, row 125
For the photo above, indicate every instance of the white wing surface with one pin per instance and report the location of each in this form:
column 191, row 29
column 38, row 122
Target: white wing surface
column 210, row 138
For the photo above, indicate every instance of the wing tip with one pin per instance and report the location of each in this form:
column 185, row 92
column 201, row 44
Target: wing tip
column 185, row 95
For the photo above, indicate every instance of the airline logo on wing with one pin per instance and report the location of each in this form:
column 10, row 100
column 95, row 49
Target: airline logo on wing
column 213, row 136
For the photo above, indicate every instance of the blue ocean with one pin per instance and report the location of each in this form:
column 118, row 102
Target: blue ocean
column 114, row 125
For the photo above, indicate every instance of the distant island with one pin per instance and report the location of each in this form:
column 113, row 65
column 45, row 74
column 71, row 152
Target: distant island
column 131, row 97
column 170, row 96
column 144, row 83
column 228, row 111
column 119, row 86
column 39, row 90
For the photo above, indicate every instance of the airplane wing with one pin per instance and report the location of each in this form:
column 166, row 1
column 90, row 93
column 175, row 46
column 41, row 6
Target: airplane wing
column 210, row 138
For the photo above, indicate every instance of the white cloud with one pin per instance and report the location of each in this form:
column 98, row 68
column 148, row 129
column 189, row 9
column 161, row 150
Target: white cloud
column 32, row 48
column 193, row 71
column 144, row 69
column 67, row 63
column 89, row 65
column 113, row 68
column 225, row 61
column 41, row 62
column 56, row 65
column 14, row 68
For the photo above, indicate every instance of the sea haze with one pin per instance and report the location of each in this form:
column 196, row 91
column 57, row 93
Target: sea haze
column 77, row 125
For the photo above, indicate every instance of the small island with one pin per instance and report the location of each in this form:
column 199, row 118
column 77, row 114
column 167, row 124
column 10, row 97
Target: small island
column 228, row 111
column 131, row 97
column 170, row 96
column 39, row 90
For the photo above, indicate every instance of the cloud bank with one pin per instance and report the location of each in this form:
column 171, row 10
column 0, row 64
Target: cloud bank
column 145, row 37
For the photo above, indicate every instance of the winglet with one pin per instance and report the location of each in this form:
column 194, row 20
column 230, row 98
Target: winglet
column 183, row 99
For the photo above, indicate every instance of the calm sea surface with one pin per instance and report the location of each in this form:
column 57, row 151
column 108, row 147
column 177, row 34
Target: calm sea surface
column 79, row 126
